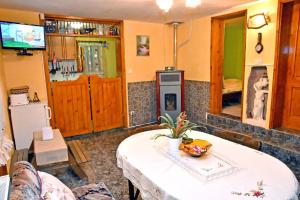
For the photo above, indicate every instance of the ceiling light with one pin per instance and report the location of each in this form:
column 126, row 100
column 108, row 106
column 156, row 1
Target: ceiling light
column 192, row 3
column 165, row 5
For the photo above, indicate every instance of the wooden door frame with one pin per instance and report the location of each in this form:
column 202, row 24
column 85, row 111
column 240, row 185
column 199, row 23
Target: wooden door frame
column 122, row 65
column 277, row 102
column 217, row 59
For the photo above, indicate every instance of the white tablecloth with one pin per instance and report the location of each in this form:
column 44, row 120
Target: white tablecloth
column 157, row 176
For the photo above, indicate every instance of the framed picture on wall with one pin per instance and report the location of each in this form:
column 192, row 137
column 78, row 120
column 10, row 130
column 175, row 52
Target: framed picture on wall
column 142, row 45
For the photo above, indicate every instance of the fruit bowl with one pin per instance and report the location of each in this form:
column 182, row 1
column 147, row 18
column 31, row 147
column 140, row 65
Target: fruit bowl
column 195, row 147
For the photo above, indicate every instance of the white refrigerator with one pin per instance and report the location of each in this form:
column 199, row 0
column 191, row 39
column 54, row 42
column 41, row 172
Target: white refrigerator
column 27, row 119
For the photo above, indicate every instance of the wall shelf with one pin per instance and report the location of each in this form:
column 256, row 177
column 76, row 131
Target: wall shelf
column 82, row 35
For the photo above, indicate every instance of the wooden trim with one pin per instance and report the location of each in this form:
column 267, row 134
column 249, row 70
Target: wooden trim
column 84, row 19
column 240, row 13
column 48, row 84
column 182, row 91
column 157, row 96
column 123, row 76
column 273, row 118
column 217, row 58
column 82, row 35
column 276, row 111
column 244, row 61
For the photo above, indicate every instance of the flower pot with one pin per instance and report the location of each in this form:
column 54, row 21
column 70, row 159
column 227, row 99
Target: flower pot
column 173, row 145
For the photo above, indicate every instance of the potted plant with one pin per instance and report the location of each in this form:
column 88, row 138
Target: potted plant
column 177, row 129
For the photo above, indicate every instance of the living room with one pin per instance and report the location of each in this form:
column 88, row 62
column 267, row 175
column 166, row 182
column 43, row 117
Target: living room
column 98, row 111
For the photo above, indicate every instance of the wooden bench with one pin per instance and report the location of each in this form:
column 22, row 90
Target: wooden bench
column 79, row 153
column 239, row 138
column 80, row 160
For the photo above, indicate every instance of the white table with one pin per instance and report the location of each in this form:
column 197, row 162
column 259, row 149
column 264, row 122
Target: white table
column 158, row 176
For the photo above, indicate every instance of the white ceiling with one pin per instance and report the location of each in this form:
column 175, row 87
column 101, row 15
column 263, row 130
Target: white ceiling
column 142, row 10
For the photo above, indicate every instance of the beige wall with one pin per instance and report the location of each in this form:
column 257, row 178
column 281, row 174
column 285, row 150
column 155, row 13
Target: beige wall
column 194, row 49
column 142, row 68
column 26, row 70
column 18, row 71
column 194, row 39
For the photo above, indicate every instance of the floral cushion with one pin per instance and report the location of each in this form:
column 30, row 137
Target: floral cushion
column 26, row 183
column 92, row 192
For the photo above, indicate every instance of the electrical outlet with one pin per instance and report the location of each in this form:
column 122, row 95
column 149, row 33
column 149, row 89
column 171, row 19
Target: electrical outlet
column 132, row 113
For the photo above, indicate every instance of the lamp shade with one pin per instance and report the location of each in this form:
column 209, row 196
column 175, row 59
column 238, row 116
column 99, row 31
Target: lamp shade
column 257, row 21
column 192, row 3
column 164, row 5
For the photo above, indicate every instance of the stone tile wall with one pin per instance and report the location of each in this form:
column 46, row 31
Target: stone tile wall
column 142, row 100
column 197, row 94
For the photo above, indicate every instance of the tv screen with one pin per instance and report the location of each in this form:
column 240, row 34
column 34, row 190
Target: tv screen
column 22, row 36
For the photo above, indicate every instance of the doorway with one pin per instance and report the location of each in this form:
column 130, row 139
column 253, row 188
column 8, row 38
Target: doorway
column 227, row 63
column 286, row 96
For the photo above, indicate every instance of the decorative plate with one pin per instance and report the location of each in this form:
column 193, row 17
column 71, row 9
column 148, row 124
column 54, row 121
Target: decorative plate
column 195, row 148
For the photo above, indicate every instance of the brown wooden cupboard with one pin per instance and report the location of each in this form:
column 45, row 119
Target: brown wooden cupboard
column 63, row 48
column 89, row 102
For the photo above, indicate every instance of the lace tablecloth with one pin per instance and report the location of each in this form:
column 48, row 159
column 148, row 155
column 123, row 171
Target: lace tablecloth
column 249, row 174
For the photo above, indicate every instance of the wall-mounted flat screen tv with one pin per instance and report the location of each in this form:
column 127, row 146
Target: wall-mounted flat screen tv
column 22, row 36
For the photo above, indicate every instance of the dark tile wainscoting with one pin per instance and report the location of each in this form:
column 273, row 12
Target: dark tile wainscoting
column 142, row 100
column 197, row 94
column 283, row 145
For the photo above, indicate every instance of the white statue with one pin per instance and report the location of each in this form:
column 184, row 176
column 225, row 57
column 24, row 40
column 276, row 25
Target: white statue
column 258, row 108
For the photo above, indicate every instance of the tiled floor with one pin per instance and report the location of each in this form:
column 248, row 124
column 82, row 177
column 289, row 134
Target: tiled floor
column 234, row 110
column 102, row 149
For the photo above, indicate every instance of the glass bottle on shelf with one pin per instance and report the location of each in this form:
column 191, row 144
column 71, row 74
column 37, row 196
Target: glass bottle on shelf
column 60, row 27
column 101, row 29
column 106, row 29
column 66, row 27
column 70, row 29
column 93, row 31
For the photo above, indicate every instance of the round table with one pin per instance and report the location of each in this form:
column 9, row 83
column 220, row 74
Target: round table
column 159, row 176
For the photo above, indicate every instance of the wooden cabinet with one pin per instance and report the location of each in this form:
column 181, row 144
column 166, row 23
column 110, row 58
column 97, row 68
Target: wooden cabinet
column 69, row 46
column 55, row 47
column 63, row 48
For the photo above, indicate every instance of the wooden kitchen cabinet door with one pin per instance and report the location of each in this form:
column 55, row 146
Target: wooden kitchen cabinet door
column 56, row 47
column 70, row 52
column 106, row 101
